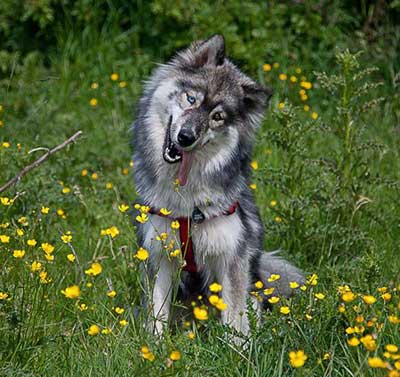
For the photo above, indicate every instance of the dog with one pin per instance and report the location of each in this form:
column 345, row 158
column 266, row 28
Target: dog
column 192, row 138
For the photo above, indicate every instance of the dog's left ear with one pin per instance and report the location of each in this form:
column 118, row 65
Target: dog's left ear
column 210, row 51
column 255, row 96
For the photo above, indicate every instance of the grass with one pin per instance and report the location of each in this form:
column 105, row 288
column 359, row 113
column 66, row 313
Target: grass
column 320, row 219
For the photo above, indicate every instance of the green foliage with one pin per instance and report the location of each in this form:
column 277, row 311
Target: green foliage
column 327, row 182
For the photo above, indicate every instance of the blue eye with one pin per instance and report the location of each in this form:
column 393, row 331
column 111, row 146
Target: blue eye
column 190, row 99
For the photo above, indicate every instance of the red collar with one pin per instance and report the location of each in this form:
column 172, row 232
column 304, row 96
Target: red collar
column 185, row 224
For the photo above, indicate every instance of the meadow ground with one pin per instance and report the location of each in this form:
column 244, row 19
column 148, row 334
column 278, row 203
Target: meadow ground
column 325, row 176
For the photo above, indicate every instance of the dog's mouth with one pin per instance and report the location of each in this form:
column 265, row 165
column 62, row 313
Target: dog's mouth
column 173, row 154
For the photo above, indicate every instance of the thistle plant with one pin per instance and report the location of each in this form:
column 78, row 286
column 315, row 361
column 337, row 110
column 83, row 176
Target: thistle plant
column 325, row 189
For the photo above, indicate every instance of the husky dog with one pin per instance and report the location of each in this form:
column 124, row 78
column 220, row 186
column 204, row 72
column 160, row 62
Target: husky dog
column 193, row 137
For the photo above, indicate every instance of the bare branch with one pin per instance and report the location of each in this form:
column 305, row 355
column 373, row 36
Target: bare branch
column 39, row 161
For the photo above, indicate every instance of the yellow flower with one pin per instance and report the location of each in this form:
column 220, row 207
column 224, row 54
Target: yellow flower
column 89, row 285
column 6, row 144
column 253, row 186
column 125, row 171
column 306, row 85
column 306, row 108
column 369, row 300
column 20, row 232
column 294, row 284
column 3, row 295
column 278, row 219
column 215, row 287
column 45, row 210
column 146, row 354
column 4, row 238
column 175, row 225
column 6, row 201
column 93, row 330
column 31, row 242
column 36, row 266
column 18, row 254
column 122, row 84
column 114, row 77
column 175, row 355
column 354, row 342
column 66, row 238
column 293, row 78
column 191, row 335
column 283, row 76
column 319, row 296
column 391, row 348
column 393, row 319
column 298, row 70
column 93, row 102
column 84, row 172
column 312, row 280
column 66, row 190
column 123, row 208
column 386, row 296
column 71, row 292
column 165, row 211
column 273, row 203
column 175, row 253
column 23, row 221
column 106, row 331
column 376, row 362
column 123, row 322
column 44, row 278
column 269, row 291
column 274, row 277
column 267, row 67
column 254, row 165
column 94, row 270
column 112, row 231
column 83, row 307
column 304, row 97
column 341, row 308
column 275, row 65
column 142, row 254
column 142, row 218
column 273, row 300
column 348, row 296
column 297, row 358
column 200, row 313
column 61, row 213
column 111, row 294
column 47, row 248
column 308, row 317
column 258, row 284
column 119, row 310
column 284, row 310
column 109, row 185
column 95, row 176
column 314, row 115
column 281, row 105
column 71, row 257
column 94, row 85
column 368, row 342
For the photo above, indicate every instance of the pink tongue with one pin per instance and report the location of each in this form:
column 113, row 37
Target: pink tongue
column 184, row 169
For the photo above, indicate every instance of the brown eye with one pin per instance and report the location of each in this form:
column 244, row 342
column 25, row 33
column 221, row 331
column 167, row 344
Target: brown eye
column 217, row 117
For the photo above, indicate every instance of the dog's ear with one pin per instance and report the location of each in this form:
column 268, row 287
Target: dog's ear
column 255, row 96
column 209, row 52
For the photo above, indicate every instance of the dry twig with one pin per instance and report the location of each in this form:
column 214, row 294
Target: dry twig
column 39, row 161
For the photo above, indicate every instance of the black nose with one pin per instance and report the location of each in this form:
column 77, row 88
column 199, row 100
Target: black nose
column 186, row 138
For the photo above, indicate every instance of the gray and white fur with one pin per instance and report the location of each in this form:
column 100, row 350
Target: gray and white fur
column 201, row 107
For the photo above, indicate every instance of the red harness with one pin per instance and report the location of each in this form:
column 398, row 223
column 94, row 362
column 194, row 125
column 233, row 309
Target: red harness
column 185, row 224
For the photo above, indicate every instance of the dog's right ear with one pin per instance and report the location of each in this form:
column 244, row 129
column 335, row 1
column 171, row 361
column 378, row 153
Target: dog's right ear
column 209, row 52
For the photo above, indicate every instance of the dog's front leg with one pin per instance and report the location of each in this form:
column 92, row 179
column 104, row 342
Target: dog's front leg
column 234, row 279
column 162, row 293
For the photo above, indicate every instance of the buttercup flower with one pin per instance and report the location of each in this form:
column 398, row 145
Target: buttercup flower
column 215, row 287
column 71, row 292
column 142, row 254
column 31, row 242
column 200, row 313
column 94, row 270
column 93, row 330
column 175, row 355
column 297, row 358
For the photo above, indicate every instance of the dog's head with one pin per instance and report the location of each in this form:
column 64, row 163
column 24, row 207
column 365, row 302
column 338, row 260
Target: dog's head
column 208, row 103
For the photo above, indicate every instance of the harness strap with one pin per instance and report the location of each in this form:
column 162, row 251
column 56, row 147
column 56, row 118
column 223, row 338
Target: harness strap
column 185, row 224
